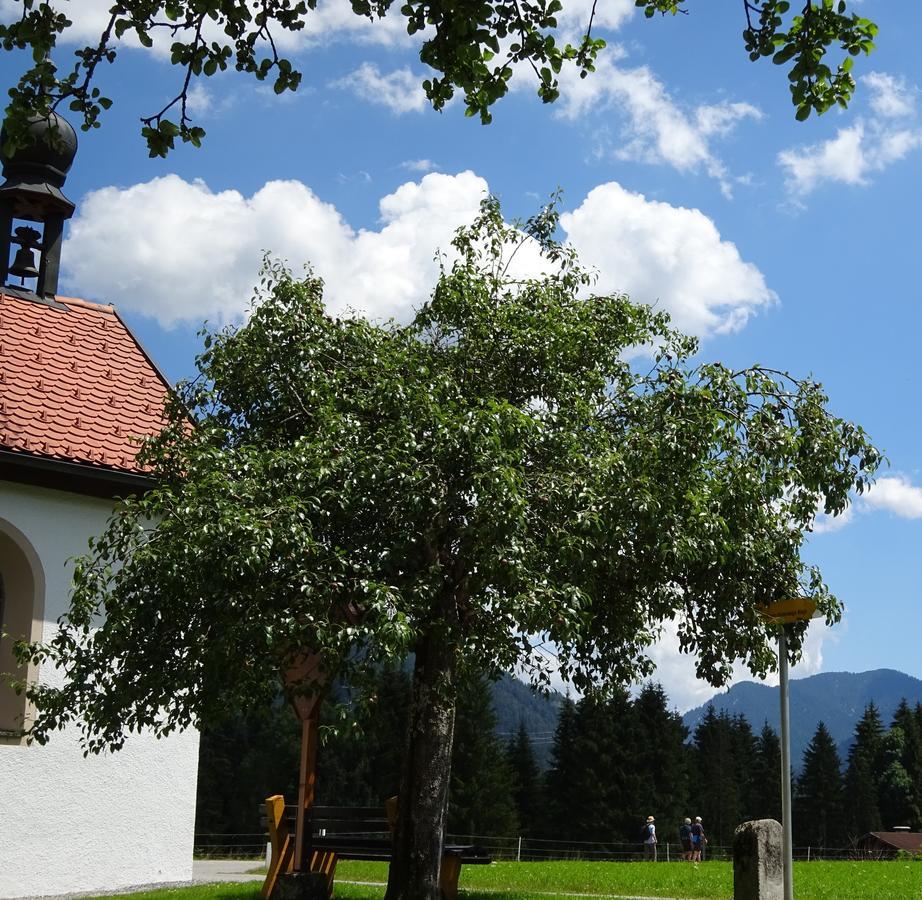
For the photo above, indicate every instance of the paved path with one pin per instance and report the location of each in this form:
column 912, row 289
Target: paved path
column 205, row 870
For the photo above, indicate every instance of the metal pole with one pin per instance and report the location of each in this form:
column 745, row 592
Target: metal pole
column 785, row 767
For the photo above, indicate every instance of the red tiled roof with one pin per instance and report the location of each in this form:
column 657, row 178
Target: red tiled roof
column 74, row 384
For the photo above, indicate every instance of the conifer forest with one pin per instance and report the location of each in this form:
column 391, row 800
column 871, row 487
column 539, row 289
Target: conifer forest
column 611, row 764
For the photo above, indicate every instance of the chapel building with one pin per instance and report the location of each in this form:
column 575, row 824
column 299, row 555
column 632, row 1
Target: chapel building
column 77, row 392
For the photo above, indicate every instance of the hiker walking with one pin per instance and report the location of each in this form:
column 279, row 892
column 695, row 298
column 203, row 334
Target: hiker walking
column 698, row 839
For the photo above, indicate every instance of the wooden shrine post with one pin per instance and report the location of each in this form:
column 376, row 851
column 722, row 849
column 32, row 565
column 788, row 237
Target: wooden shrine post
column 307, row 671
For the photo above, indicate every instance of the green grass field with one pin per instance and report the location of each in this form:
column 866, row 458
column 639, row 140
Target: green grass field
column 566, row 880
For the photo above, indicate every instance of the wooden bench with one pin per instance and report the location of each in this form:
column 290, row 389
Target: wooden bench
column 346, row 832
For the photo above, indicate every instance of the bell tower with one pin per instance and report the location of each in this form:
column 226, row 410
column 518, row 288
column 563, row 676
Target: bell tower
column 31, row 193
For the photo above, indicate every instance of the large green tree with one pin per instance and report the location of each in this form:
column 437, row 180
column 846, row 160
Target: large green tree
column 472, row 48
column 499, row 468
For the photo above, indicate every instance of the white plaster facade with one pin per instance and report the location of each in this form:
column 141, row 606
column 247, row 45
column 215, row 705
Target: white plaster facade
column 69, row 823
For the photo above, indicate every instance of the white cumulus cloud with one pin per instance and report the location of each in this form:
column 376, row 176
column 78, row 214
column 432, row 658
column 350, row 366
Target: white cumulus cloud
column 126, row 245
column 861, row 150
column 656, row 128
column 676, row 670
column 890, row 96
column 400, row 90
column 216, row 240
column 331, row 18
column 897, row 495
column 666, row 255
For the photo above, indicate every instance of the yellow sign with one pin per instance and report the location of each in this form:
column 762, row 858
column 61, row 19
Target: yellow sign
column 794, row 609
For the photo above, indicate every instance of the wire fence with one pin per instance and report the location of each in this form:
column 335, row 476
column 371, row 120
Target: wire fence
column 529, row 849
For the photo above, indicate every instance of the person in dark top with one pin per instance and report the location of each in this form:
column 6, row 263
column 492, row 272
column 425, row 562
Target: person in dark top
column 685, row 839
column 698, row 839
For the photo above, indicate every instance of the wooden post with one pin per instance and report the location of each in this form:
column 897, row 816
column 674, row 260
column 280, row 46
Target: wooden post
column 306, row 784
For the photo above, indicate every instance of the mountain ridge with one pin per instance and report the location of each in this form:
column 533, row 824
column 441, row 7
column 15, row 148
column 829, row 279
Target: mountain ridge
column 838, row 699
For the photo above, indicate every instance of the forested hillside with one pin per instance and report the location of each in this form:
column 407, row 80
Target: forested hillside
column 838, row 699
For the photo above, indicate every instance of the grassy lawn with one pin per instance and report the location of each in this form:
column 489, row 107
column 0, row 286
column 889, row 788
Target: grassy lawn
column 565, row 880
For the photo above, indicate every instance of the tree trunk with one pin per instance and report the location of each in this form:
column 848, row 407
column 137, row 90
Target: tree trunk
column 417, row 855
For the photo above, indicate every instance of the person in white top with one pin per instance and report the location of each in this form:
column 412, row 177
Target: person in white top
column 649, row 841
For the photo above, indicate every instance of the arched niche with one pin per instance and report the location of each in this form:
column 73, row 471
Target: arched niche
column 22, row 606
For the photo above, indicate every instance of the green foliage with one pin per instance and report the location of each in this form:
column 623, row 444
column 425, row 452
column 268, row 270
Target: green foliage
column 253, row 755
column 494, row 470
column 248, row 757
column 474, row 48
column 802, row 39
column 361, row 766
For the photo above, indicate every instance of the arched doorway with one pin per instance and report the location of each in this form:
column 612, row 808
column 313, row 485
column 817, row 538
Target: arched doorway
column 21, row 612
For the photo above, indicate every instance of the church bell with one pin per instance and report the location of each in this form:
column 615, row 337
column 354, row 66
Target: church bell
column 35, row 174
column 23, row 265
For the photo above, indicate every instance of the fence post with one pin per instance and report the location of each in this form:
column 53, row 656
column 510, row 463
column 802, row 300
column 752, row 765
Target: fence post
column 808, row 854
column 667, row 851
column 518, row 854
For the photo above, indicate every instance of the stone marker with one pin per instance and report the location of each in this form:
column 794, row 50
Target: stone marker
column 757, row 865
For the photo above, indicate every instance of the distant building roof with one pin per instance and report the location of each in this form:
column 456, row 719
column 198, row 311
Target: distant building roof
column 75, row 385
column 898, row 840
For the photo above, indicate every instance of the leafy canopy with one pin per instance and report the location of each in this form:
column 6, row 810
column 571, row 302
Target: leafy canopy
column 511, row 468
column 471, row 47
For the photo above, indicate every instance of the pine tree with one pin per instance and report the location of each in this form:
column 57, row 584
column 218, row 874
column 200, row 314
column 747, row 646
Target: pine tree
column 662, row 761
column 862, row 778
column 744, row 743
column 895, row 783
column 716, row 788
column 818, row 801
column 911, row 760
column 528, row 789
column 593, row 789
column 765, row 791
column 481, row 791
column 562, row 771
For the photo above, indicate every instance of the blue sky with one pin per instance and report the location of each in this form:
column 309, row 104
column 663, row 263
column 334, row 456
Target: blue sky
column 686, row 182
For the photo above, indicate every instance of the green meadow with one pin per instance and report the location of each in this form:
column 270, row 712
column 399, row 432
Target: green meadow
column 897, row 880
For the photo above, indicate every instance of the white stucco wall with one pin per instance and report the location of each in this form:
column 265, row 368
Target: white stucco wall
column 69, row 823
